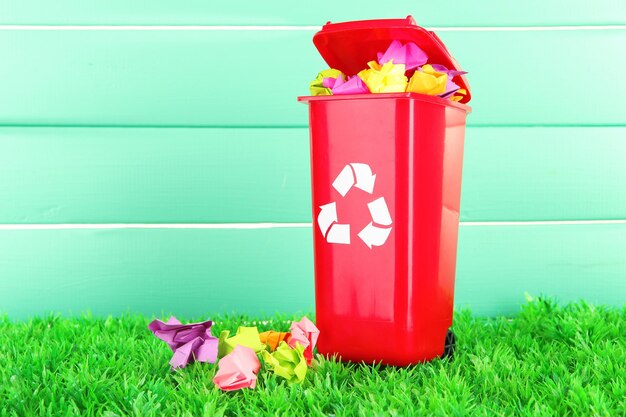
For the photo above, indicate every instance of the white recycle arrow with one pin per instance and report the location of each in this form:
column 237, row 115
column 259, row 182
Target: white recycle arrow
column 339, row 233
column 374, row 236
column 357, row 174
column 327, row 222
column 327, row 217
column 380, row 212
column 364, row 177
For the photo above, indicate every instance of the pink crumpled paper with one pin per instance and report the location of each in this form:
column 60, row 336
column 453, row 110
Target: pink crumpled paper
column 305, row 333
column 408, row 54
column 238, row 369
column 189, row 342
column 354, row 85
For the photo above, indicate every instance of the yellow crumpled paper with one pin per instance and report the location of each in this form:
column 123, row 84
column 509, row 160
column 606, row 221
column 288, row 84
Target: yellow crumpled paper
column 287, row 362
column 386, row 78
column 317, row 85
column 458, row 96
column 428, row 81
column 245, row 336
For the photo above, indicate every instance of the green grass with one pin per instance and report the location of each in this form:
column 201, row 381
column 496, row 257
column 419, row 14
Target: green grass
column 548, row 361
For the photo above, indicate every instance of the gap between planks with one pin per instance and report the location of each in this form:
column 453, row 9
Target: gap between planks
column 70, row 226
column 294, row 28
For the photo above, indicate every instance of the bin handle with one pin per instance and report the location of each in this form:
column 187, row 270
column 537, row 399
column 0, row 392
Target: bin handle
column 409, row 20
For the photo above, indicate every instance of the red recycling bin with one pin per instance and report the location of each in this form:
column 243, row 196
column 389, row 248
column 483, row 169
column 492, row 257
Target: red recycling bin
column 386, row 181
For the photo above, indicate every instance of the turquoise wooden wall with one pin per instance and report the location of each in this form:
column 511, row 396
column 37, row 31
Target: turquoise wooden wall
column 144, row 168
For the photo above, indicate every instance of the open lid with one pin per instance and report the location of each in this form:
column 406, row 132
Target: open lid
column 349, row 46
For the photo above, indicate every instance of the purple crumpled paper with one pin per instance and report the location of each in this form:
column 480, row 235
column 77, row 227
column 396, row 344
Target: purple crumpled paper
column 451, row 87
column 354, row 85
column 189, row 342
column 408, row 54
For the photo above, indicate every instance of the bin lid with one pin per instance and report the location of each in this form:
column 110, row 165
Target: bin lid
column 349, row 46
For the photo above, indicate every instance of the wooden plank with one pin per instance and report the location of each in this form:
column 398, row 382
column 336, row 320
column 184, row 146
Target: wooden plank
column 252, row 78
column 138, row 175
column 285, row 12
column 186, row 272
column 203, row 272
column 94, row 175
column 519, row 174
column 497, row 265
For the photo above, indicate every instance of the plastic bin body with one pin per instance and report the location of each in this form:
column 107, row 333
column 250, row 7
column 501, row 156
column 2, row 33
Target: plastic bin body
column 392, row 302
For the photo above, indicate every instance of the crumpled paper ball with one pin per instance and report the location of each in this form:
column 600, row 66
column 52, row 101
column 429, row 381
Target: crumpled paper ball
column 286, row 362
column 386, row 78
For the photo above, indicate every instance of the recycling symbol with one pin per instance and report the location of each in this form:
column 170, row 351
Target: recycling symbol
column 375, row 233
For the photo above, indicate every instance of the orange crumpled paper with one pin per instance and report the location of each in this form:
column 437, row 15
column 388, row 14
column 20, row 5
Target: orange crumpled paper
column 273, row 338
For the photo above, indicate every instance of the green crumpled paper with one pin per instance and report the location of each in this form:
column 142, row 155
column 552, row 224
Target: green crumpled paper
column 245, row 336
column 317, row 85
column 287, row 362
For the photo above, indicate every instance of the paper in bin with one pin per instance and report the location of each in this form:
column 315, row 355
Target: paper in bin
column 451, row 73
column 238, row 369
column 451, row 86
column 189, row 342
column 317, row 86
column 331, row 82
column 386, row 78
column 354, row 85
column 408, row 54
column 286, row 362
column 428, row 81
column 459, row 95
column 245, row 336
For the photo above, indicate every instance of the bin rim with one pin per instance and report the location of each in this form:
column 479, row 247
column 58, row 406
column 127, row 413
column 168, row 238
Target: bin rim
column 378, row 96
